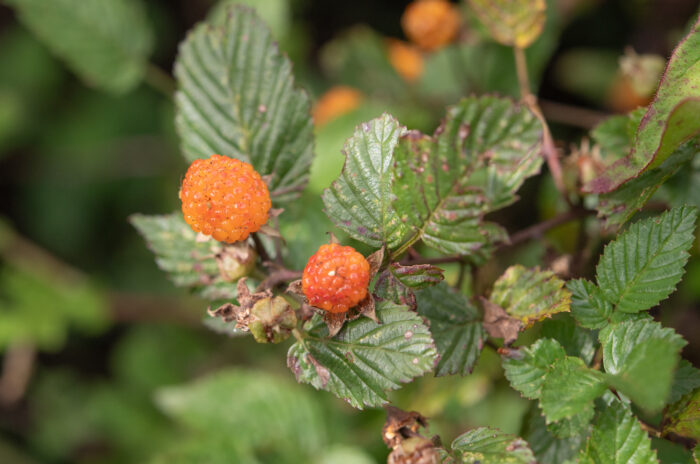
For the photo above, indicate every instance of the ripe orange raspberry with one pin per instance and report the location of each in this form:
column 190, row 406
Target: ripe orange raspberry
column 337, row 101
column 225, row 198
column 335, row 278
column 406, row 59
column 430, row 24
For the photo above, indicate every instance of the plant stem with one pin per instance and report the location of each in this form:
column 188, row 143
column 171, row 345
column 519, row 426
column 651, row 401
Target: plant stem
column 17, row 368
column 548, row 148
column 160, row 80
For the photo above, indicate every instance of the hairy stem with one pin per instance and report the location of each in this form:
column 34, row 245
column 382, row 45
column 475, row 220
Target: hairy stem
column 160, row 80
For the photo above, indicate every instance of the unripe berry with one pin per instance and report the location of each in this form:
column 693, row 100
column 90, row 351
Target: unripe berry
column 430, row 24
column 224, row 198
column 272, row 320
column 336, row 278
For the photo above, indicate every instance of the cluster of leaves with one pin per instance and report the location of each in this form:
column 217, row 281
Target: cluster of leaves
column 590, row 371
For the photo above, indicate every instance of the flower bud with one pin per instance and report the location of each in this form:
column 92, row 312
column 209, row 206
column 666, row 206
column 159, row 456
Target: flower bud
column 272, row 320
column 236, row 261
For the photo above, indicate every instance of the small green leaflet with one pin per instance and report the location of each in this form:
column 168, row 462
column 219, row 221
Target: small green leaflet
column 685, row 380
column 456, row 327
column 417, row 276
column 526, row 368
column 569, row 389
column 360, row 200
column 588, row 305
column 549, row 449
column 530, row 295
column 486, row 445
column 236, row 97
column 617, row 438
column 352, row 365
column 643, row 265
column 106, row 42
column 575, row 340
column 683, row 417
column 672, row 118
column 639, row 358
column 188, row 262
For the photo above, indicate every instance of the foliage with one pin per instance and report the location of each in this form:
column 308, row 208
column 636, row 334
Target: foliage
column 465, row 284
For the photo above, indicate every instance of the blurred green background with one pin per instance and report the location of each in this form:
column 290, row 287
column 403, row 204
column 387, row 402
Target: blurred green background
column 106, row 361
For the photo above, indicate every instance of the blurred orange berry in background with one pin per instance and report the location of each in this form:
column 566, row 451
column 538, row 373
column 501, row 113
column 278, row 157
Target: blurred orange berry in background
column 406, row 59
column 337, row 101
column 431, row 24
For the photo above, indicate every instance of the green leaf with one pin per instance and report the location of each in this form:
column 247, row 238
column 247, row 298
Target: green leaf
column 619, row 205
column 491, row 446
column 639, row 358
column 644, row 264
column 476, row 161
column 685, row 380
column 615, row 135
column 189, row 263
column 575, row 340
column 264, row 410
column 618, row 438
column 530, row 295
column 569, row 388
column 683, row 417
column 513, row 23
column 360, row 200
column 526, row 369
column 209, row 450
column 588, row 305
column 696, row 453
column 672, row 118
column 456, row 328
column 548, row 448
column 106, row 42
column 574, row 426
column 417, row 276
column 236, row 97
column 365, row 359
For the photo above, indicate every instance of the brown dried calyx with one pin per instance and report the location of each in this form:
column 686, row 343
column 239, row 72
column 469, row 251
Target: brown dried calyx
column 401, row 434
column 270, row 319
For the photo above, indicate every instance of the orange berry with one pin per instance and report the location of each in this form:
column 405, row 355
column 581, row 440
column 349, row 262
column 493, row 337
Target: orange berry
column 224, row 198
column 336, row 102
column 406, row 59
column 430, row 24
column 335, row 278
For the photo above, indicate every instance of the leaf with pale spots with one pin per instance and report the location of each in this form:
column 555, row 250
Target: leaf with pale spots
column 456, row 328
column 360, row 200
column 237, row 97
column 474, row 164
column 530, row 295
column 417, row 276
column 486, row 445
column 189, row 262
column 353, row 364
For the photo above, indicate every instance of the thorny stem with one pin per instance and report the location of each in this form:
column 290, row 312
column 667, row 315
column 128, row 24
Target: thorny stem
column 548, row 148
column 160, row 80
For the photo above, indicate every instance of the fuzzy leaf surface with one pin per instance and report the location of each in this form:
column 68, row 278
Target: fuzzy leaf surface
column 365, row 360
column 236, row 97
column 569, row 388
column 486, row 445
column 360, row 200
column 526, row 371
column 672, row 118
column 474, row 163
column 530, row 295
column 617, row 438
column 643, row 265
column 548, row 448
column 187, row 262
column 588, row 305
column 640, row 358
column 106, row 42
column 456, row 327
column 512, row 22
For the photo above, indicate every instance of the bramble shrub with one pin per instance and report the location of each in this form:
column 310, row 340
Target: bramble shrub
column 404, row 285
